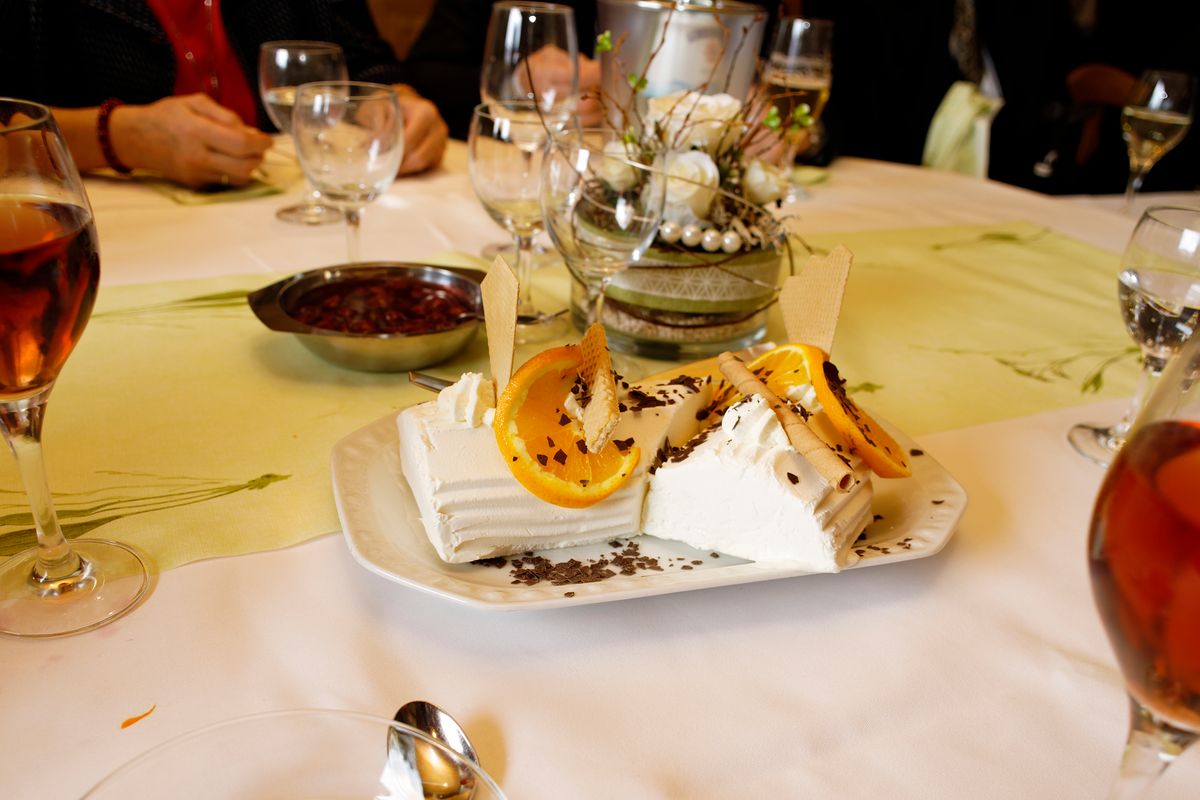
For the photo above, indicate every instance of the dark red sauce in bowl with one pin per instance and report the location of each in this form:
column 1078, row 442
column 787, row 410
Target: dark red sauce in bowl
column 383, row 306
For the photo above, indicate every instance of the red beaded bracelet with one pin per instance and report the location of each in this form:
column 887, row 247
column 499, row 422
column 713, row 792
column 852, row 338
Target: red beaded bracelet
column 105, row 137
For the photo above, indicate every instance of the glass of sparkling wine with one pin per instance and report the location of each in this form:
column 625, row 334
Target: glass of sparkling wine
column 1144, row 560
column 504, row 158
column 797, row 76
column 283, row 66
column 49, row 271
column 1154, row 120
column 1158, row 288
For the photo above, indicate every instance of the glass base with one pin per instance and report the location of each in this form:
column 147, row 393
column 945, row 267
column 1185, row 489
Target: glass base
column 508, row 248
column 310, row 214
column 112, row 581
column 1096, row 442
column 549, row 327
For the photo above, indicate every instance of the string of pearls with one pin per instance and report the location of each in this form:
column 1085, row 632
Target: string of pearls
column 691, row 235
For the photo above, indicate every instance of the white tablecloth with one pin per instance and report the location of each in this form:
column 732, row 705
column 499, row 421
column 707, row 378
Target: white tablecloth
column 981, row 672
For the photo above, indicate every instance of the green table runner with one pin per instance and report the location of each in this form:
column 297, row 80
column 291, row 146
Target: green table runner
column 184, row 427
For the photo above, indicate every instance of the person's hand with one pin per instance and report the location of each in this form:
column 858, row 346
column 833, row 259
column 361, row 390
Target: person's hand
column 591, row 110
column 550, row 70
column 190, row 139
column 425, row 134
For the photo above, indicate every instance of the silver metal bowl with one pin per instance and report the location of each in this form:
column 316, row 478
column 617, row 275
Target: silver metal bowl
column 395, row 352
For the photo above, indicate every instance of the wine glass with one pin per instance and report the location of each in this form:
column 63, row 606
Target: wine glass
column 602, row 196
column 350, row 141
column 49, row 270
column 797, row 77
column 282, row 66
column 530, row 71
column 1155, row 119
column 504, row 158
column 1158, row 289
column 1144, row 560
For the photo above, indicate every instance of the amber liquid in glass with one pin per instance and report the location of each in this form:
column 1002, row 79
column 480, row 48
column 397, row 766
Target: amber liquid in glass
column 1144, row 555
column 49, row 271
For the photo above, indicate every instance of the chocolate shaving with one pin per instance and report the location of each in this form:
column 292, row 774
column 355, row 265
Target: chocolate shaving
column 793, row 478
column 560, row 457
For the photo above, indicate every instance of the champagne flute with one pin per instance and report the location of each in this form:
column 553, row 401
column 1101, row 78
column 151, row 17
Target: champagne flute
column 504, row 158
column 1158, row 289
column 49, row 270
column 282, row 66
column 1154, row 120
column 797, row 77
column 1144, row 560
column 531, row 74
column 350, row 141
column 603, row 197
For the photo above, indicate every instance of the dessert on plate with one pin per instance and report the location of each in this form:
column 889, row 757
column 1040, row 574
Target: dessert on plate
column 767, row 461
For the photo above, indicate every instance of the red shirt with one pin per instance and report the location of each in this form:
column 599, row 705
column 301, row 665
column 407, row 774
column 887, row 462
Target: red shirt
column 204, row 60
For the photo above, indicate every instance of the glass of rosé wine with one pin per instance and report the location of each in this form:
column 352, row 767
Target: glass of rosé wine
column 49, row 269
column 1144, row 559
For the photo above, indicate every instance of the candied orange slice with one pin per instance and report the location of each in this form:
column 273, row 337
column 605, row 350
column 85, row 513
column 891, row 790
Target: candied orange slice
column 867, row 438
column 544, row 445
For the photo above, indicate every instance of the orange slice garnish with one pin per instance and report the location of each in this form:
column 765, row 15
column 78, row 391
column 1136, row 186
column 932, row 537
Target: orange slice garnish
column 868, row 440
column 544, row 446
column 779, row 369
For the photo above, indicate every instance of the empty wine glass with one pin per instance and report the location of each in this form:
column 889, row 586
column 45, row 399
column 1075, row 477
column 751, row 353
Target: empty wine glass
column 1154, row 120
column 1158, row 288
column 530, row 71
column 350, row 141
column 602, row 195
column 1144, row 559
column 49, row 271
column 283, row 66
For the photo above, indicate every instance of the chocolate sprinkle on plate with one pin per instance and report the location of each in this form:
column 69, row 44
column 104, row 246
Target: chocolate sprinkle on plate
column 916, row 452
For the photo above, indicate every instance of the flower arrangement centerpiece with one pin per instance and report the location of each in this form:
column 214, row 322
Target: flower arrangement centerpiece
column 713, row 271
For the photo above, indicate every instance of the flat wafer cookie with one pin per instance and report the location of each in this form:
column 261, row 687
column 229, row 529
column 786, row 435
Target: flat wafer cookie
column 600, row 414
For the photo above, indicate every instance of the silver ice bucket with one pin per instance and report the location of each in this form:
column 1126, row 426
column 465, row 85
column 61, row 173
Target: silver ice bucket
column 712, row 45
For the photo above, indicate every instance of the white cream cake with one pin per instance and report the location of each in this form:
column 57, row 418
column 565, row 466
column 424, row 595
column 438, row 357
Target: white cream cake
column 741, row 489
column 471, row 505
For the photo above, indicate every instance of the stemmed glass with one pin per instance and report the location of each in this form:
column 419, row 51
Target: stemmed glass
column 1158, row 289
column 350, row 141
column 1154, row 120
column 283, row 66
column 602, row 196
column 1144, row 559
column 504, row 157
column 799, row 71
column 49, row 271
column 530, row 74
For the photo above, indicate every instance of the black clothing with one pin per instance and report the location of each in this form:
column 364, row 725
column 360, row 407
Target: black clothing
column 77, row 53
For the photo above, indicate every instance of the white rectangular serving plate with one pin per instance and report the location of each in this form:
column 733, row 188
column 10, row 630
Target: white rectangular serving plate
column 914, row 518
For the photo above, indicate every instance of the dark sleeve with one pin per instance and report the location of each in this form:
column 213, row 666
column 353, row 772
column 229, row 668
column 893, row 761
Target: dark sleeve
column 369, row 56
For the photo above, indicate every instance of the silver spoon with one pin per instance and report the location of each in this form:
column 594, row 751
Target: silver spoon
column 433, row 384
column 440, row 778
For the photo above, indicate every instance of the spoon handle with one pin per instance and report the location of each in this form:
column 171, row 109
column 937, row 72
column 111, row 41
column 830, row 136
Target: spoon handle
column 430, row 382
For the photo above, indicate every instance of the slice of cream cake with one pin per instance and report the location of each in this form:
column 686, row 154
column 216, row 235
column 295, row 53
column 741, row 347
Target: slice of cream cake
column 741, row 488
column 471, row 505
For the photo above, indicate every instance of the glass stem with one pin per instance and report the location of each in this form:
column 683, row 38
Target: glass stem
column 314, row 197
column 1136, row 176
column 353, row 223
column 524, row 271
column 22, row 423
column 1150, row 747
column 1151, row 368
column 595, row 290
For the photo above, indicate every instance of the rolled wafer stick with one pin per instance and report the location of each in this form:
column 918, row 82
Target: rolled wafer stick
column 808, row 444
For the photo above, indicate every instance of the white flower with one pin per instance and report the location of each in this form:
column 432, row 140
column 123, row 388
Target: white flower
column 615, row 171
column 691, row 183
column 693, row 120
column 763, row 183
